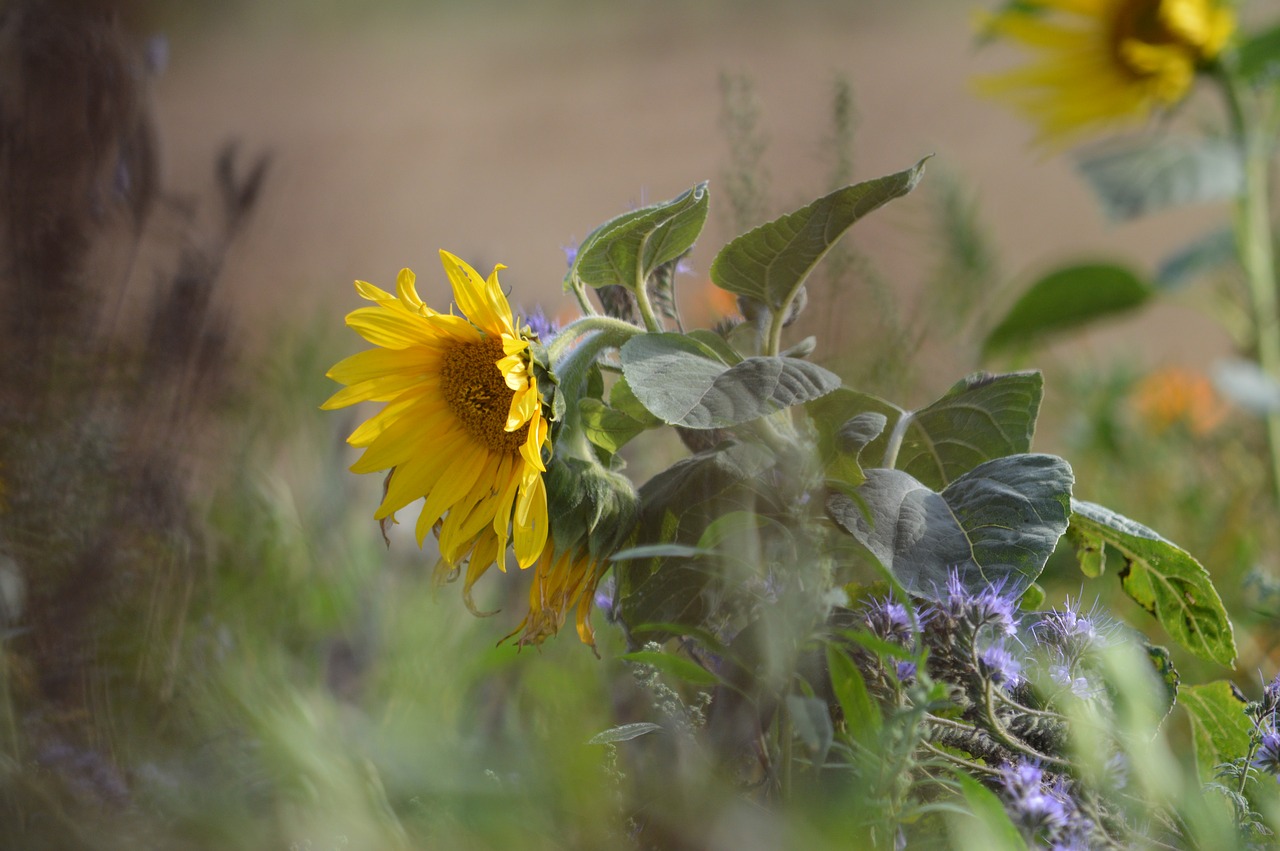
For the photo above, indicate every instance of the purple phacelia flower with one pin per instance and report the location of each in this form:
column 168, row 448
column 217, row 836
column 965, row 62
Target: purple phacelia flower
column 542, row 326
column 991, row 606
column 606, row 593
column 1002, row 666
column 889, row 620
column 570, row 254
column 1271, row 695
column 906, row 671
column 1031, row 803
column 1079, row 686
column 1268, row 756
column 1071, row 629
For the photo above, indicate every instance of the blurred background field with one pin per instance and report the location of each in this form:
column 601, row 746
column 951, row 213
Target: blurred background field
column 207, row 644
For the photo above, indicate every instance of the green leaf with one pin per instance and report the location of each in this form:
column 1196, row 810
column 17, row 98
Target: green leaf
column 1133, row 178
column 1208, row 253
column 1167, row 675
column 625, row 250
column 658, row 551
column 860, row 430
column 771, row 263
column 677, row 666
column 998, row 523
column 830, row 414
column 1067, row 298
column 861, row 714
column 981, row 418
column 606, row 427
column 811, row 722
column 677, row 505
column 624, row 733
column 1258, row 57
column 1220, row 728
column 1164, row 580
column 1091, row 553
column 995, row 830
column 676, row 380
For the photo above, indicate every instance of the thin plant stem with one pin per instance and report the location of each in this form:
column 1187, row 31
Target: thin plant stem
column 1253, row 242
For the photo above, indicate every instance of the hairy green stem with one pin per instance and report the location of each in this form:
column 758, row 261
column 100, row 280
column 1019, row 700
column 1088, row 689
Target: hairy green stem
column 580, row 293
column 609, row 332
column 646, row 307
column 894, row 443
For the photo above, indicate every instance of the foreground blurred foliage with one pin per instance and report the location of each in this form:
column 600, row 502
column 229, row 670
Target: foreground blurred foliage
column 833, row 619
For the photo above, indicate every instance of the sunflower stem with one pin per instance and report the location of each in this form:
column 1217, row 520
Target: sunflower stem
column 646, row 309
column 1253, row 242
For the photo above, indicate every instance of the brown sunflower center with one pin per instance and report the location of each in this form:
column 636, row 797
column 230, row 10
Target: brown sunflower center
column 1140, row 21
column 474, row 389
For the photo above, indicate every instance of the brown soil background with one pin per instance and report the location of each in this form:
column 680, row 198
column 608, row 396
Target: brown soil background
column 506, row 131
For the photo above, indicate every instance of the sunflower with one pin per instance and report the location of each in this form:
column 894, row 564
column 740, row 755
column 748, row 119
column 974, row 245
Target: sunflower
column 464, row 425
column 1105, row 60
column 563, row 581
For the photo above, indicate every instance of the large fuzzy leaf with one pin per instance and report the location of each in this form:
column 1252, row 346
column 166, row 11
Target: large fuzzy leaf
column 680, row 381
column 996, row 524
column 979, row 419
column 624, row 251
column 771, row 263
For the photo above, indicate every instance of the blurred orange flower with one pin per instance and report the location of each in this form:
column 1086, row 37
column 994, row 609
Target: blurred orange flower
column 1174, row 396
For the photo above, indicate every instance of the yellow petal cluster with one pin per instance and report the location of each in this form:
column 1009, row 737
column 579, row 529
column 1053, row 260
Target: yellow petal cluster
column 1102, row 61
column 562, row 582
column 463, row 426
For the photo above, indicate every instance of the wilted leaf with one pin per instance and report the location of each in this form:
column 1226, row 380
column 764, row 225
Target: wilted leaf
column 1164, row 580
column 998, row 523
column 1067, row 298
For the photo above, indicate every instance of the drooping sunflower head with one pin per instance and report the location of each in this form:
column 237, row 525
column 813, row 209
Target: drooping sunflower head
column 464, row 426
column 563, row 582
column 1103, row 61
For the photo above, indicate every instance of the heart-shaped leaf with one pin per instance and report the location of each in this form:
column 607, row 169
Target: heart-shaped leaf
column 996, row 524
